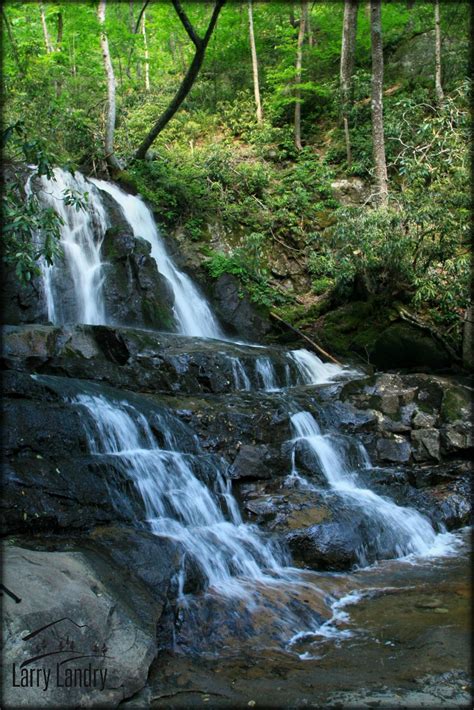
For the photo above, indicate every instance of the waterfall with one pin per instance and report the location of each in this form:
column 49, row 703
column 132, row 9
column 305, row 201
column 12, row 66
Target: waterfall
column 395, row 531
column 200, row 514
column 311, row 369
column 192, row 312
column 266, row 374
column 82, row 232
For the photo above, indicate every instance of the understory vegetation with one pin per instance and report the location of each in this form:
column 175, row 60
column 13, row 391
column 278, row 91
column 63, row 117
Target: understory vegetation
column 254, row 203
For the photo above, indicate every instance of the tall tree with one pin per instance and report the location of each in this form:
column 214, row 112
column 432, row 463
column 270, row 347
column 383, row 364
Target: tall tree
column 200, row 44
column 299, row 64
column 438, row 83
column 147, row 58
column 12, row 42
column 110, row 157
column 256, row 84
column 349, row 32
column 377, row 102
column 47, row 39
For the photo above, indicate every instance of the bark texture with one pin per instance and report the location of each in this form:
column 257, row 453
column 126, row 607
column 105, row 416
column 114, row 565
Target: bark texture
column 438, row 82
column 47, row 39
column 377, row 103
column 256, row 83
column 299, row 65
column 112, row 161
column 145, row 45
column 349, row 32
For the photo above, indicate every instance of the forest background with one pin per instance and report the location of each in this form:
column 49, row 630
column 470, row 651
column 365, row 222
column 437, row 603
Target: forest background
column 328, row 175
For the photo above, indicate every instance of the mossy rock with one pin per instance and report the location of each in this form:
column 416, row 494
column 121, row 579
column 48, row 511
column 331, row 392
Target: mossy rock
column 402, row 345
column 455, row 405
column 354, row 327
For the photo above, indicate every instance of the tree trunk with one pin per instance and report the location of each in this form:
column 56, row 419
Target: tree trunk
column 12, row 42
column 112, row 161
column 145, row 44
column 47, row 40
column 200, row 44
column 299, row 63
column 377, row 103
column 256, row 85
column 438, row 84
column 309, row 31
column 349, row 32
column 59, row 39
column 59, row 43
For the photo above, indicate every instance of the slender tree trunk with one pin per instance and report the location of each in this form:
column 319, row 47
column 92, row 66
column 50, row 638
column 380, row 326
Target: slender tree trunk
column 438, row 84
column 377, row 102
column 47, row 40
column 349, row 32
column 145, row 44
column 200, row 44
column 309, row 31
column 59, row 39
column 12, row 42
column 73, row 56
column 256, row 84
column 59, row 46
column 112, row 161
column 299, row 64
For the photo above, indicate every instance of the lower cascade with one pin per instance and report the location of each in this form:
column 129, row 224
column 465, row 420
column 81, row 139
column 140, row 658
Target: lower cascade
column 187, row 498
column 395, row 531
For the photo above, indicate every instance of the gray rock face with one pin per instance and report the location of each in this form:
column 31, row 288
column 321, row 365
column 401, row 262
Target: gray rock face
column 135, row 293
column 425, row 444
column 252, row 462
column 237, row 313
column 22, row 304
column 326, row 546
column 141, row 361
column 417, row 418
column 71, row 616
column 396, row 450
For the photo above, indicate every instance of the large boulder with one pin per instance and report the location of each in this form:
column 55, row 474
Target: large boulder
column 236, row 310
column 402, row 345
column 135, row 293
column 333, row 545
column 71, row 634
column 22, row 303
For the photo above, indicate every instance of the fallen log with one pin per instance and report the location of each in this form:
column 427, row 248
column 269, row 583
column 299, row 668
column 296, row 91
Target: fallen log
column 305, row 337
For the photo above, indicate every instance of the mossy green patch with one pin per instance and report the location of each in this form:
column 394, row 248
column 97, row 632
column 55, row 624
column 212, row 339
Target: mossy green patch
column 454, row 405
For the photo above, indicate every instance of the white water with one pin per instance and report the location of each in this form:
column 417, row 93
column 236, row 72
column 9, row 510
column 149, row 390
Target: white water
column 241, row 379
column 397, row 531
column 266, row 375
column 311, row 369
column 192, row 312
column 82, row 233
column 205, row 519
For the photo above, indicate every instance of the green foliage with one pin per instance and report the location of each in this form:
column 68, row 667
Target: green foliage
column 30, row 231
column 418, row 248
column 215, row 165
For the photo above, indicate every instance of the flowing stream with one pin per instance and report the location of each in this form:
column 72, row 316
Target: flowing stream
column 186, row 493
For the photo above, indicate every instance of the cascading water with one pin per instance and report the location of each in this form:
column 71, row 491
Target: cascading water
column 192, row 312
column 396, row 531
column 82, row 232
column 203, row 517
column 186, row 494
column 311, row 369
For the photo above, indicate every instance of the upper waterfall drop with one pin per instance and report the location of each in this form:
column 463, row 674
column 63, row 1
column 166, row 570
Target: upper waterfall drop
column 82, row 233
column 192, row 311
